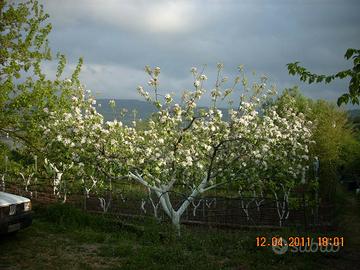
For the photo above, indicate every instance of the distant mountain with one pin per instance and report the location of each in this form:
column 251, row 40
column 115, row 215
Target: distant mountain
column 143, row 109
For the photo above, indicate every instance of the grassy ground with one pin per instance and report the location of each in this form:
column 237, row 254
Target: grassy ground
column 62, row 237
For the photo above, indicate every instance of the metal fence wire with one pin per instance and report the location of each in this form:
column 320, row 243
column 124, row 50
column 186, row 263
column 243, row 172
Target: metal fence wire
column 219, row 211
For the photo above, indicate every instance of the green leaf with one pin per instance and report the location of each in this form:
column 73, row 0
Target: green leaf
column 343, row 99
column 328, row 79
column 349, row 53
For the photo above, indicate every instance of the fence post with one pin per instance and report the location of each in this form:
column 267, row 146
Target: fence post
column 304, row 210
column 85, row 196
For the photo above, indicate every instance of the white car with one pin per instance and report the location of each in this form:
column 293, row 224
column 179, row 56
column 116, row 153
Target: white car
column 15, row 213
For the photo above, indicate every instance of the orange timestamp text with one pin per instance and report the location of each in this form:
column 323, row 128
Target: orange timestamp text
column 299, row 241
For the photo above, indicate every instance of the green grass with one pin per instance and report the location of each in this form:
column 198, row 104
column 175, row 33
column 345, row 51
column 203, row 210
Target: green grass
column 63, row 237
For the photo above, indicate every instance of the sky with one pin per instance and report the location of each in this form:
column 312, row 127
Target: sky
column 118, row 38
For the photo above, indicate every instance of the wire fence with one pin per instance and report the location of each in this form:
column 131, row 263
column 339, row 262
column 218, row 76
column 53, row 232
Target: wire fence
column 233, row 212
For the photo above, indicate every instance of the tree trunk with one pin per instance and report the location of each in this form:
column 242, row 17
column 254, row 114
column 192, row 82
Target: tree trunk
column 176, row 222
column 163, row 194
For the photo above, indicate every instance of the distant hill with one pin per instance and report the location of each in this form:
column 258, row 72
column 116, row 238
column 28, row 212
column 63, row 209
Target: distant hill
column 143, row 109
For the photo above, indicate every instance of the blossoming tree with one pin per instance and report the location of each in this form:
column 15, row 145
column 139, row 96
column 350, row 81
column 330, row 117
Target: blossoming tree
column 196, row 148
column 76, row 139
column 200, row 149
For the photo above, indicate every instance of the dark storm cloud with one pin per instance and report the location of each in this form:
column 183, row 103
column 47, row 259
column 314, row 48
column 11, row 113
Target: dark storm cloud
column 117, row 38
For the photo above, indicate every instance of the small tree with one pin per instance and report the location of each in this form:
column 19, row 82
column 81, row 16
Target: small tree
column 77, row 138
column 26, row 94
column 199, row 149
column 23, row 46
column 336, row 144
column 27, row 97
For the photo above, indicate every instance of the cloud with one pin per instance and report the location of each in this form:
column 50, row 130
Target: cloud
column 132, row 16
column 118, row 38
